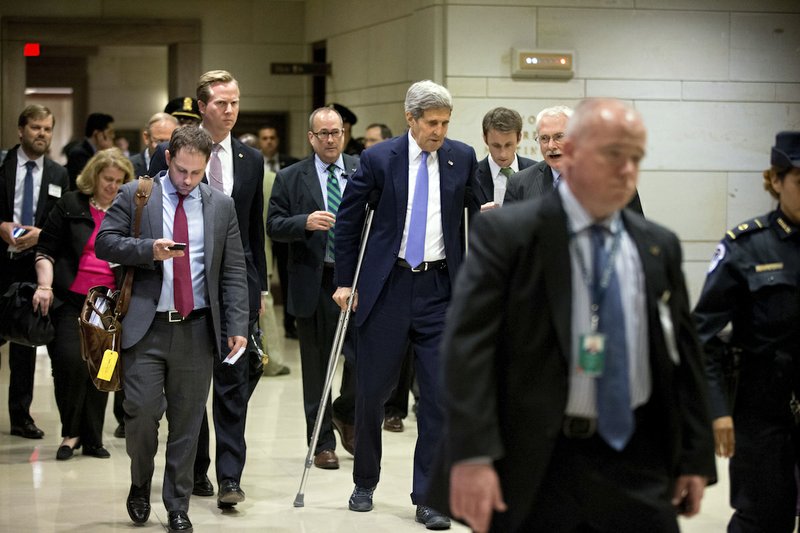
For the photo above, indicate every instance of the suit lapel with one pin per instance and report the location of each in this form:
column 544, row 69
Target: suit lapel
column 44, row 192
column 558, row 278
column 398, row 166
column 209, row 226
column 447, row 184
column 311, row 182
column 238, row 155
column 649, row 255
column 10, row 169
column 153, row 215
column 485, row 179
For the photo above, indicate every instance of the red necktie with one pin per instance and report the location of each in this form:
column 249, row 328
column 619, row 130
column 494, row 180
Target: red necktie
column 181, row 272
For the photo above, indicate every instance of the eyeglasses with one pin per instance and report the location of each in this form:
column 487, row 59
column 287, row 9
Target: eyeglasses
column 324, row 134
column 545, row 139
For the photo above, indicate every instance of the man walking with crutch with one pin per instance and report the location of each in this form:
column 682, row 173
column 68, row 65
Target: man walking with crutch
column 302, row 212
column 412, row 256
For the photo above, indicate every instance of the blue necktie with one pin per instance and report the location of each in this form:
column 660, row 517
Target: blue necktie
column 614, row 416
column 334, row 199
column 27, row 196
column 415, row 246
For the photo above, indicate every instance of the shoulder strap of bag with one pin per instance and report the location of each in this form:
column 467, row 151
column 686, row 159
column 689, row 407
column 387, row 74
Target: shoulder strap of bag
column 142, row 196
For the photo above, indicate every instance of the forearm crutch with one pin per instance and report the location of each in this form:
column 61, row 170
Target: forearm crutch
column 336, row 352
column 467, row 200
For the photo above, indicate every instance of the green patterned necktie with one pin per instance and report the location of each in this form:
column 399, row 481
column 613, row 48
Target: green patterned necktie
column 334, row 199
column 507, row 171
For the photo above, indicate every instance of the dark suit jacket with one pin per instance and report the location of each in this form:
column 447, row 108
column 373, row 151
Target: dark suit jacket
column 247, row 194
column 507, row 346
column 138, row 162
column 224, row 259
column 53, row 175
column 537, row 180
column 384, row 168
column 77, row 159
column 295, row 194
column 285, row 160
column 485, row 191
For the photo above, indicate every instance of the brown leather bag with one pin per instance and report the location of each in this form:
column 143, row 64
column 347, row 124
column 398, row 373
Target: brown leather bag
column 100, row 320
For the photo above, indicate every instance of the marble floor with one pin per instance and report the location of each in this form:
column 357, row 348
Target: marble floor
column 85, row 494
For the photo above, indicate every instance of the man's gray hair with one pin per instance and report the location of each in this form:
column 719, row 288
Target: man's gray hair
column 555, row 111
column 319, row 110
column 425, row 95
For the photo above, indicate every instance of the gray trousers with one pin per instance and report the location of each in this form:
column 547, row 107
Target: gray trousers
column 169, row 370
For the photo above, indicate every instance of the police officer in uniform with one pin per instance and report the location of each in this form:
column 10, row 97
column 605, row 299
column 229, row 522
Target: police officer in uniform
column 752, row 284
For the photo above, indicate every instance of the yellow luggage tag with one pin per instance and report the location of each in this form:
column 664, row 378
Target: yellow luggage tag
column 107, row 365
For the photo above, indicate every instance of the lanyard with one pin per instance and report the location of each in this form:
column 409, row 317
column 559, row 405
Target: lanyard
column 597, row 292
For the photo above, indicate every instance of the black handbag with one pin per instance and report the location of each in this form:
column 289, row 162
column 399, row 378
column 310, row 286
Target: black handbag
column 18, row 322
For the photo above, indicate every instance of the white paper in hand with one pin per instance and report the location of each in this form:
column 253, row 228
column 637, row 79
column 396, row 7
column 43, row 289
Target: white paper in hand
column 231, row 359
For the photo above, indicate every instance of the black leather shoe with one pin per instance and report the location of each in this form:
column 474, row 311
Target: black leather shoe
column 230, row 493
column 27, row 431
column 179, row 521
column 65, row 452
column 139, row 503
column 120, row 431
column 432, row 519
column 96, row 451
column 202, row 485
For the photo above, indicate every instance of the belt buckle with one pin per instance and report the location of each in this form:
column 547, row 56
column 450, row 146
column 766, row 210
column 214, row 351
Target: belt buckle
column 578, row 427
column 422, row 267
column 174, row 316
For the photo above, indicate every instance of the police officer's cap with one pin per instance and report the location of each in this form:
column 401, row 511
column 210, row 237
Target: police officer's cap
column 786, row 152
column 347, row 115
column 183, row 107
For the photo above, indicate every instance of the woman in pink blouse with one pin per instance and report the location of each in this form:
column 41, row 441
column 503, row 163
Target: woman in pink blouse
column 66, row 268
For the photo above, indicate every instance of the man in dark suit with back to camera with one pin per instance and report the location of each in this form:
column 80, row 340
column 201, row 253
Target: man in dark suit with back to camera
column 238, row 171
column 170, row 336
column 30, row 185
column 158, row 130
column 502, row 132
column 412, row 256
column 544, row 176
column 574, row 389
column 302, row 211
column 100, row 135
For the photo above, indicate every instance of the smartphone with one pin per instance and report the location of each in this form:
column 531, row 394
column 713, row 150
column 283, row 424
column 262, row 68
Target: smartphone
column 18, row 232
column 177, row 246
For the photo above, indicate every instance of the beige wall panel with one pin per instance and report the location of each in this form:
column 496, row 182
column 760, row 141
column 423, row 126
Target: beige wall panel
column 466, row 87
column 747, row 197
column 695, row 274
column 551, row 3
column 627, row 89
column 713, row 135
column 692, row 204
column 630, row 44
column 787, row 92
column 729, row 91
column 278, row 22
column 722, row 5
column 480, row 38
column 325, row 18
column 765, row 47
column 348, row 57
column 384, row 52
column 554, row 89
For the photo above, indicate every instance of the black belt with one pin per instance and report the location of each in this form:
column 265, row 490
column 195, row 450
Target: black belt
column 174, row 316
column 441, row 264
column 579, row 427
column 329, row 265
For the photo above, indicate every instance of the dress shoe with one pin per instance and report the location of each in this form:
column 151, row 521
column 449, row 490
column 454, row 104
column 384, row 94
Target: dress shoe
column 27, row 431
column 96, row 451
column 202, row 485
column 120, row 431
column 347, row 434
column 432, row 519
column 230, row 493
column 139, row 503
column 327, row 460
column 290, row 333
column 64, row 452
column 361, row 499
column 179, row 521
column 393, row 423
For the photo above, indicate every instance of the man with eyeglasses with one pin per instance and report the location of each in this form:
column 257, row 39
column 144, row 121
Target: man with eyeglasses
column 302, row 212
column 551, row 123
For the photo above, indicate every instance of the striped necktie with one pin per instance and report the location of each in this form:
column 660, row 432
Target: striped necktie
column 334, row 199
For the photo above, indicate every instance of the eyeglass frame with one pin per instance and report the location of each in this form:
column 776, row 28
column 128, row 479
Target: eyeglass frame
column 558, row 137
column 323, row 135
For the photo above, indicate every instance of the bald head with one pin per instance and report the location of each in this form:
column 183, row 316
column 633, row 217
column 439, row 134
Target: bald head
column 604, row 145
